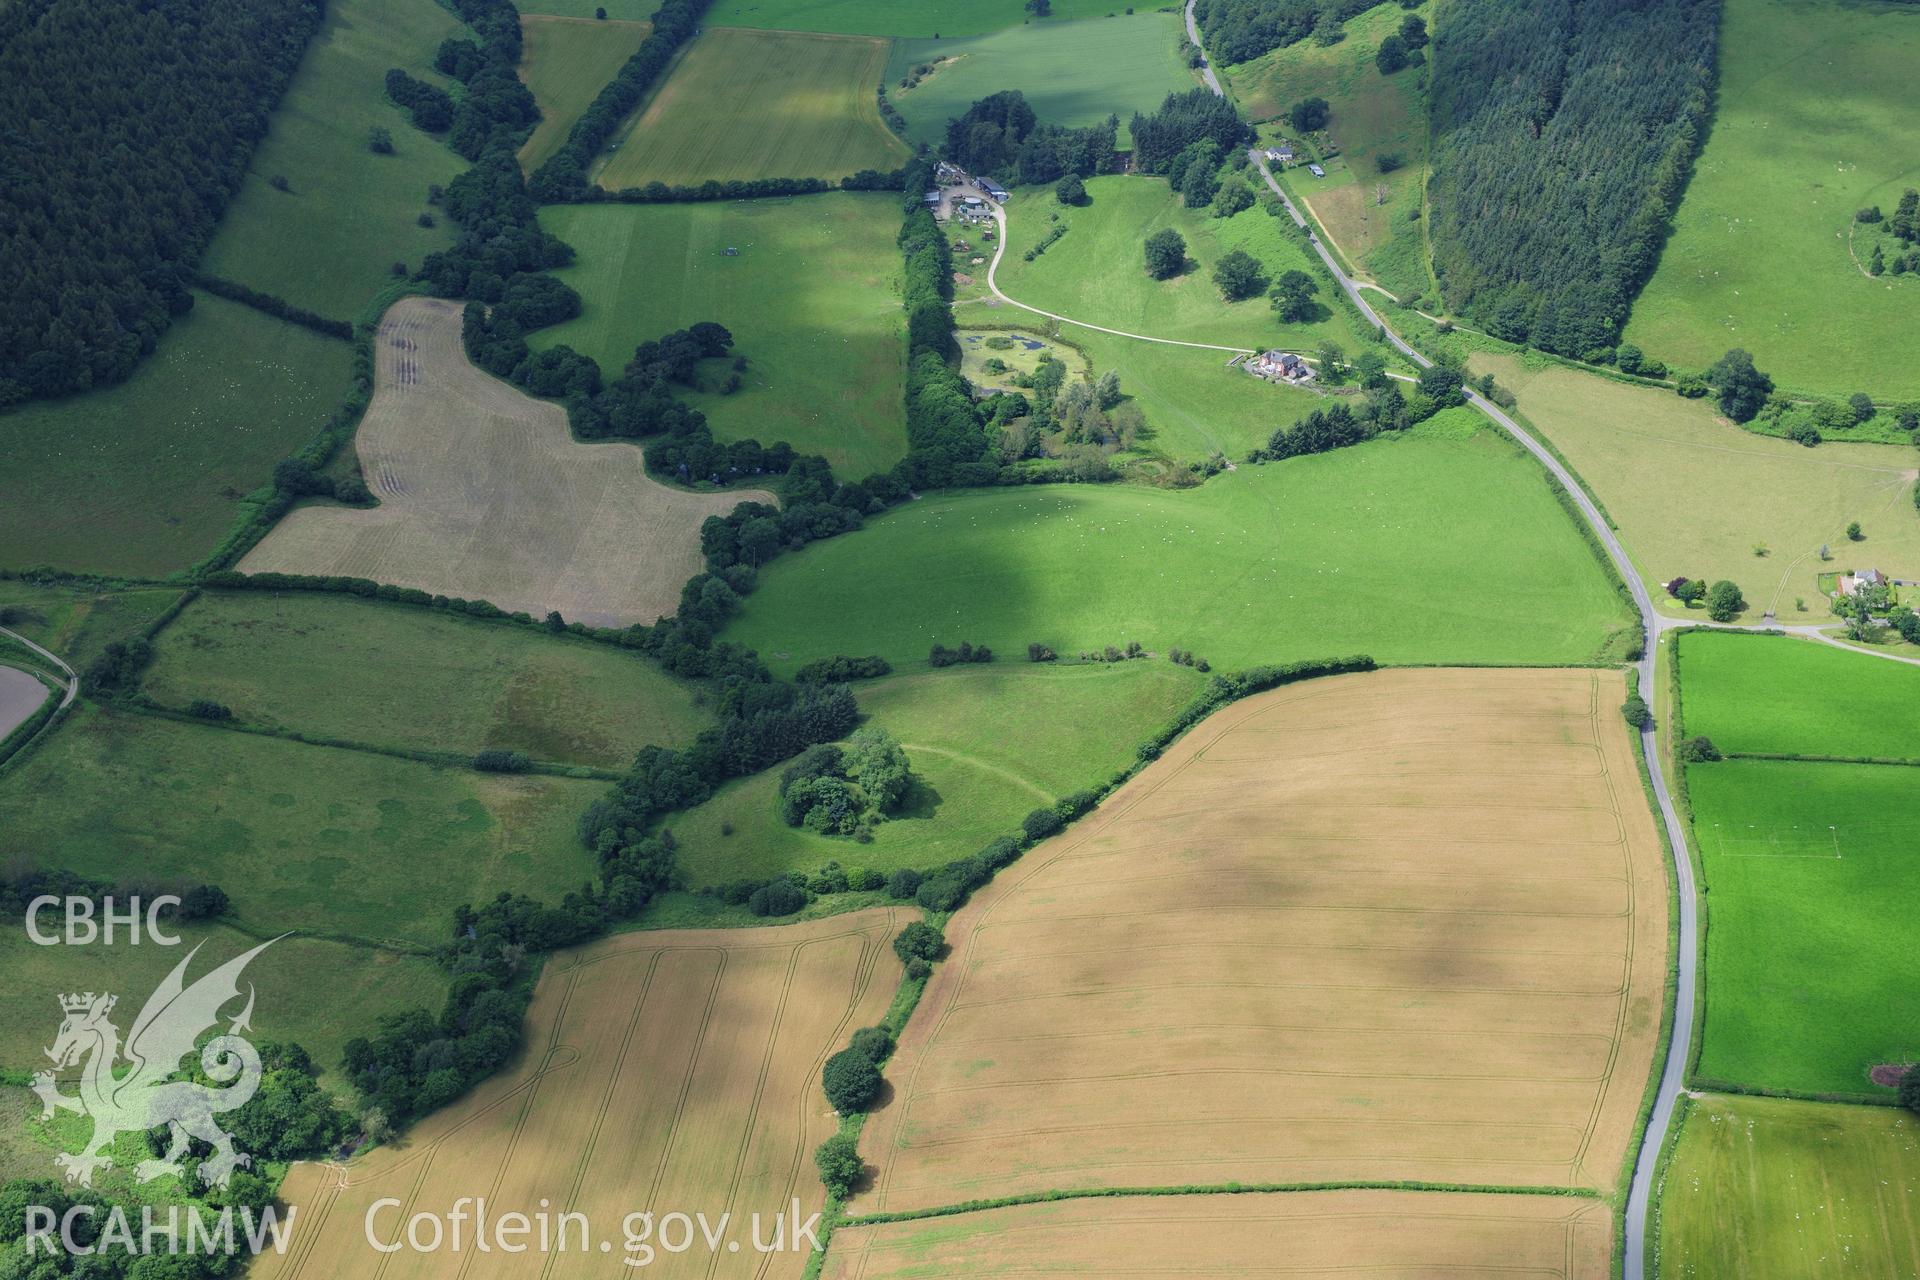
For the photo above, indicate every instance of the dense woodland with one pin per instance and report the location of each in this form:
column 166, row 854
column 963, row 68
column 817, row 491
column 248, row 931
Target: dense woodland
column 1564, row 134
column 1000, row 134
column 1237, row 30
column 132, row 125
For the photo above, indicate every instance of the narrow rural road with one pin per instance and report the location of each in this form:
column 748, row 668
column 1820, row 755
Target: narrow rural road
column 73, row 681
column 1206, row 65
column 1640, row 1196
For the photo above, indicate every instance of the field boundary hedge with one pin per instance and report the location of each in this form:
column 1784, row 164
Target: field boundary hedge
column 277, row 307
column 1213, row 1188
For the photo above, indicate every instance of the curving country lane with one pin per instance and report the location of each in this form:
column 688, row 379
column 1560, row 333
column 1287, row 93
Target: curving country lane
column 73, row 681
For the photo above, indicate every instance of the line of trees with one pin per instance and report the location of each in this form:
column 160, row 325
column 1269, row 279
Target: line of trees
column 275, row 306
column 564, row 175
column 1564, row 136
column 131, row 131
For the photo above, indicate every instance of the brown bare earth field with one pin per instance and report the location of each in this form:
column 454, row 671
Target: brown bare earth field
column 484, row 493
column 665, row 1072
column 1408, row 925
column 1300, row 1233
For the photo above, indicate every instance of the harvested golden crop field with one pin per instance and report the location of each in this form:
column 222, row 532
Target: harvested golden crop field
column 484, row 493
column 665, row 1072
column 1316, row 1233
column 1407, row 925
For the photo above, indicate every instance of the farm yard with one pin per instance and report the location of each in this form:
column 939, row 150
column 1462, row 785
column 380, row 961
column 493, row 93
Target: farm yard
column 339, row 667
column 760, row 104
column 1766, row 1186
column 1773, row 695
column 1330, row 1233
column 661, row 1069
column 328, row 242
column 566, row 62
column 1693, row 495
column 1815, row 119
column 146, row 477
column 1373, row 117
column 1258, row 1024
column 811, row 299
column 920, row 19
column 1095, row 271
column 1445, row 524
column 1810, row 883
column 1072, row 73
column 986, row 744
column 328, row 841
column 485, row 494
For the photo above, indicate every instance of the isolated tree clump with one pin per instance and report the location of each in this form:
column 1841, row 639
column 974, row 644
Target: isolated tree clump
column 1239, row 275
column 1166, row 252
column 1292, row 296
column 851, row 1081
column 838, row 1158
column 1742, row 389
column 1309, row 114
column 1724, row 601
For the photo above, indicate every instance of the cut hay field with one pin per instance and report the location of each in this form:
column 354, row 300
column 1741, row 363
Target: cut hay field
column 1769, row 1187
column 316, row 993
column 1096, row 272
column 146, row 477
column 915, row 18
column 1440, row 545
column 329, row 242
column 988, row 745
column 1317, row 1233
column 1786, row 696
column 339, row 667
column 1408, row 925
column 812, row 300
column 664, row 1072
column 485, row 494
column 1815, row 118
column 1373, row 115
column 21, row 693
column 566, row 62
column 760, row 104
column 1693, row 495
column 318, row 839
column 1072, row 73
column 1811, row 881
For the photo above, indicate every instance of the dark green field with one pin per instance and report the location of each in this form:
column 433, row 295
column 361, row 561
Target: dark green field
column 318, row 839
column 145, row 478
column 338, row 667
column 329, row 242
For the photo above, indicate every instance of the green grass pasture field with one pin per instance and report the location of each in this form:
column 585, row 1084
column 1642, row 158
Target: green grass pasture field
column 567, row 62
column 1096, row 272
column 1811, row 879
column 1443, row 545
column 316, row 993
column 811, row 299
column 329, row 242
column 339, row 667
column 988, row 744
column 78, row 622
column 1695, row 496
column 1769, row 1187
column 760, row 104
column 1816, row 118
column 318, row 839
column 1373, row 116
column 1072, row 73
column 915, row 18
column 145, row 478
column 1784, row 696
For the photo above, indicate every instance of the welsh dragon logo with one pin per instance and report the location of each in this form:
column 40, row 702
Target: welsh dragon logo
column 125, row 1088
